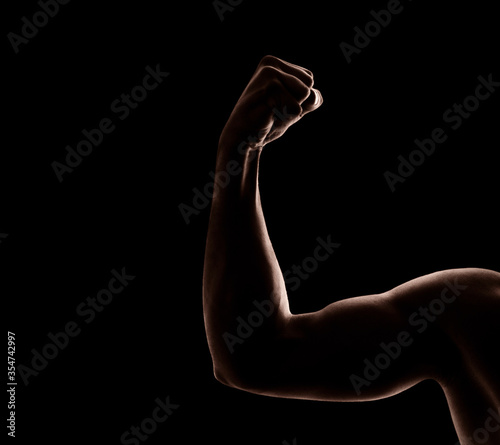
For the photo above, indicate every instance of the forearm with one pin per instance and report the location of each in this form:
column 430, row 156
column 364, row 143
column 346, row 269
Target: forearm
column 240, row 267
column 244, row 296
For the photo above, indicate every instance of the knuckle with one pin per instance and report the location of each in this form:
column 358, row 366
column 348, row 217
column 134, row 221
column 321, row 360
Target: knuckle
column 304, row 96
column 309, row 81
column 273, row 86
column 294, row 109
column 267, row 60
column 307, row 77
column 309, row 72
column 268, row 72
column 304, row 93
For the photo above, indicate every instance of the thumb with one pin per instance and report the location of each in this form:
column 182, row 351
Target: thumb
column 313, row 101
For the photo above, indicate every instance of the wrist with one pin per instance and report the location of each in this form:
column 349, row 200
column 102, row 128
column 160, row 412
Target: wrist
column 237, row 152
column 237, row 168
column 240, row 141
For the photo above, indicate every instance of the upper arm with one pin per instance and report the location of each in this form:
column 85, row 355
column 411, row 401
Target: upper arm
column 367, row 347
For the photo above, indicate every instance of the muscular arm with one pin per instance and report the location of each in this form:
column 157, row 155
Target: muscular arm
column 256, row 343
column 240, row 265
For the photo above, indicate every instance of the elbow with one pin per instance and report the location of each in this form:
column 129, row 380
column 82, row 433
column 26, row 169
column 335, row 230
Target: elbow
column 227, row 378
column 247, row 382
column 221, row 377
column 255, row 369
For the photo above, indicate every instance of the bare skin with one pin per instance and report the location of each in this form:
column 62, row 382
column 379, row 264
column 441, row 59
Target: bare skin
column 446, row 323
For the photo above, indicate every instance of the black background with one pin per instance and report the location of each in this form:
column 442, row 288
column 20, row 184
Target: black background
column 119, row 207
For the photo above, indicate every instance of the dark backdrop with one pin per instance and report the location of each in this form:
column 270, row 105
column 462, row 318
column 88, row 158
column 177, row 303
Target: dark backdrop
column 119, row 208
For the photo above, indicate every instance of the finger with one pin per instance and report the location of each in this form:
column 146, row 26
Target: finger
column 285, row 112
column 286, row 109
column 300, row 68
column 295, row 86
column 303, row 74
column 313, row 102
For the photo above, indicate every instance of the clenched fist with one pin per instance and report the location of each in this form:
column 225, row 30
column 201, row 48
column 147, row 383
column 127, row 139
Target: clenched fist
column 278, row 95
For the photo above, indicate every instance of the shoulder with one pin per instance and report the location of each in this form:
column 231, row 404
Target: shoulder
column 460, row 306
column 445, row 284
column 480, row 278
column 450, row 296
